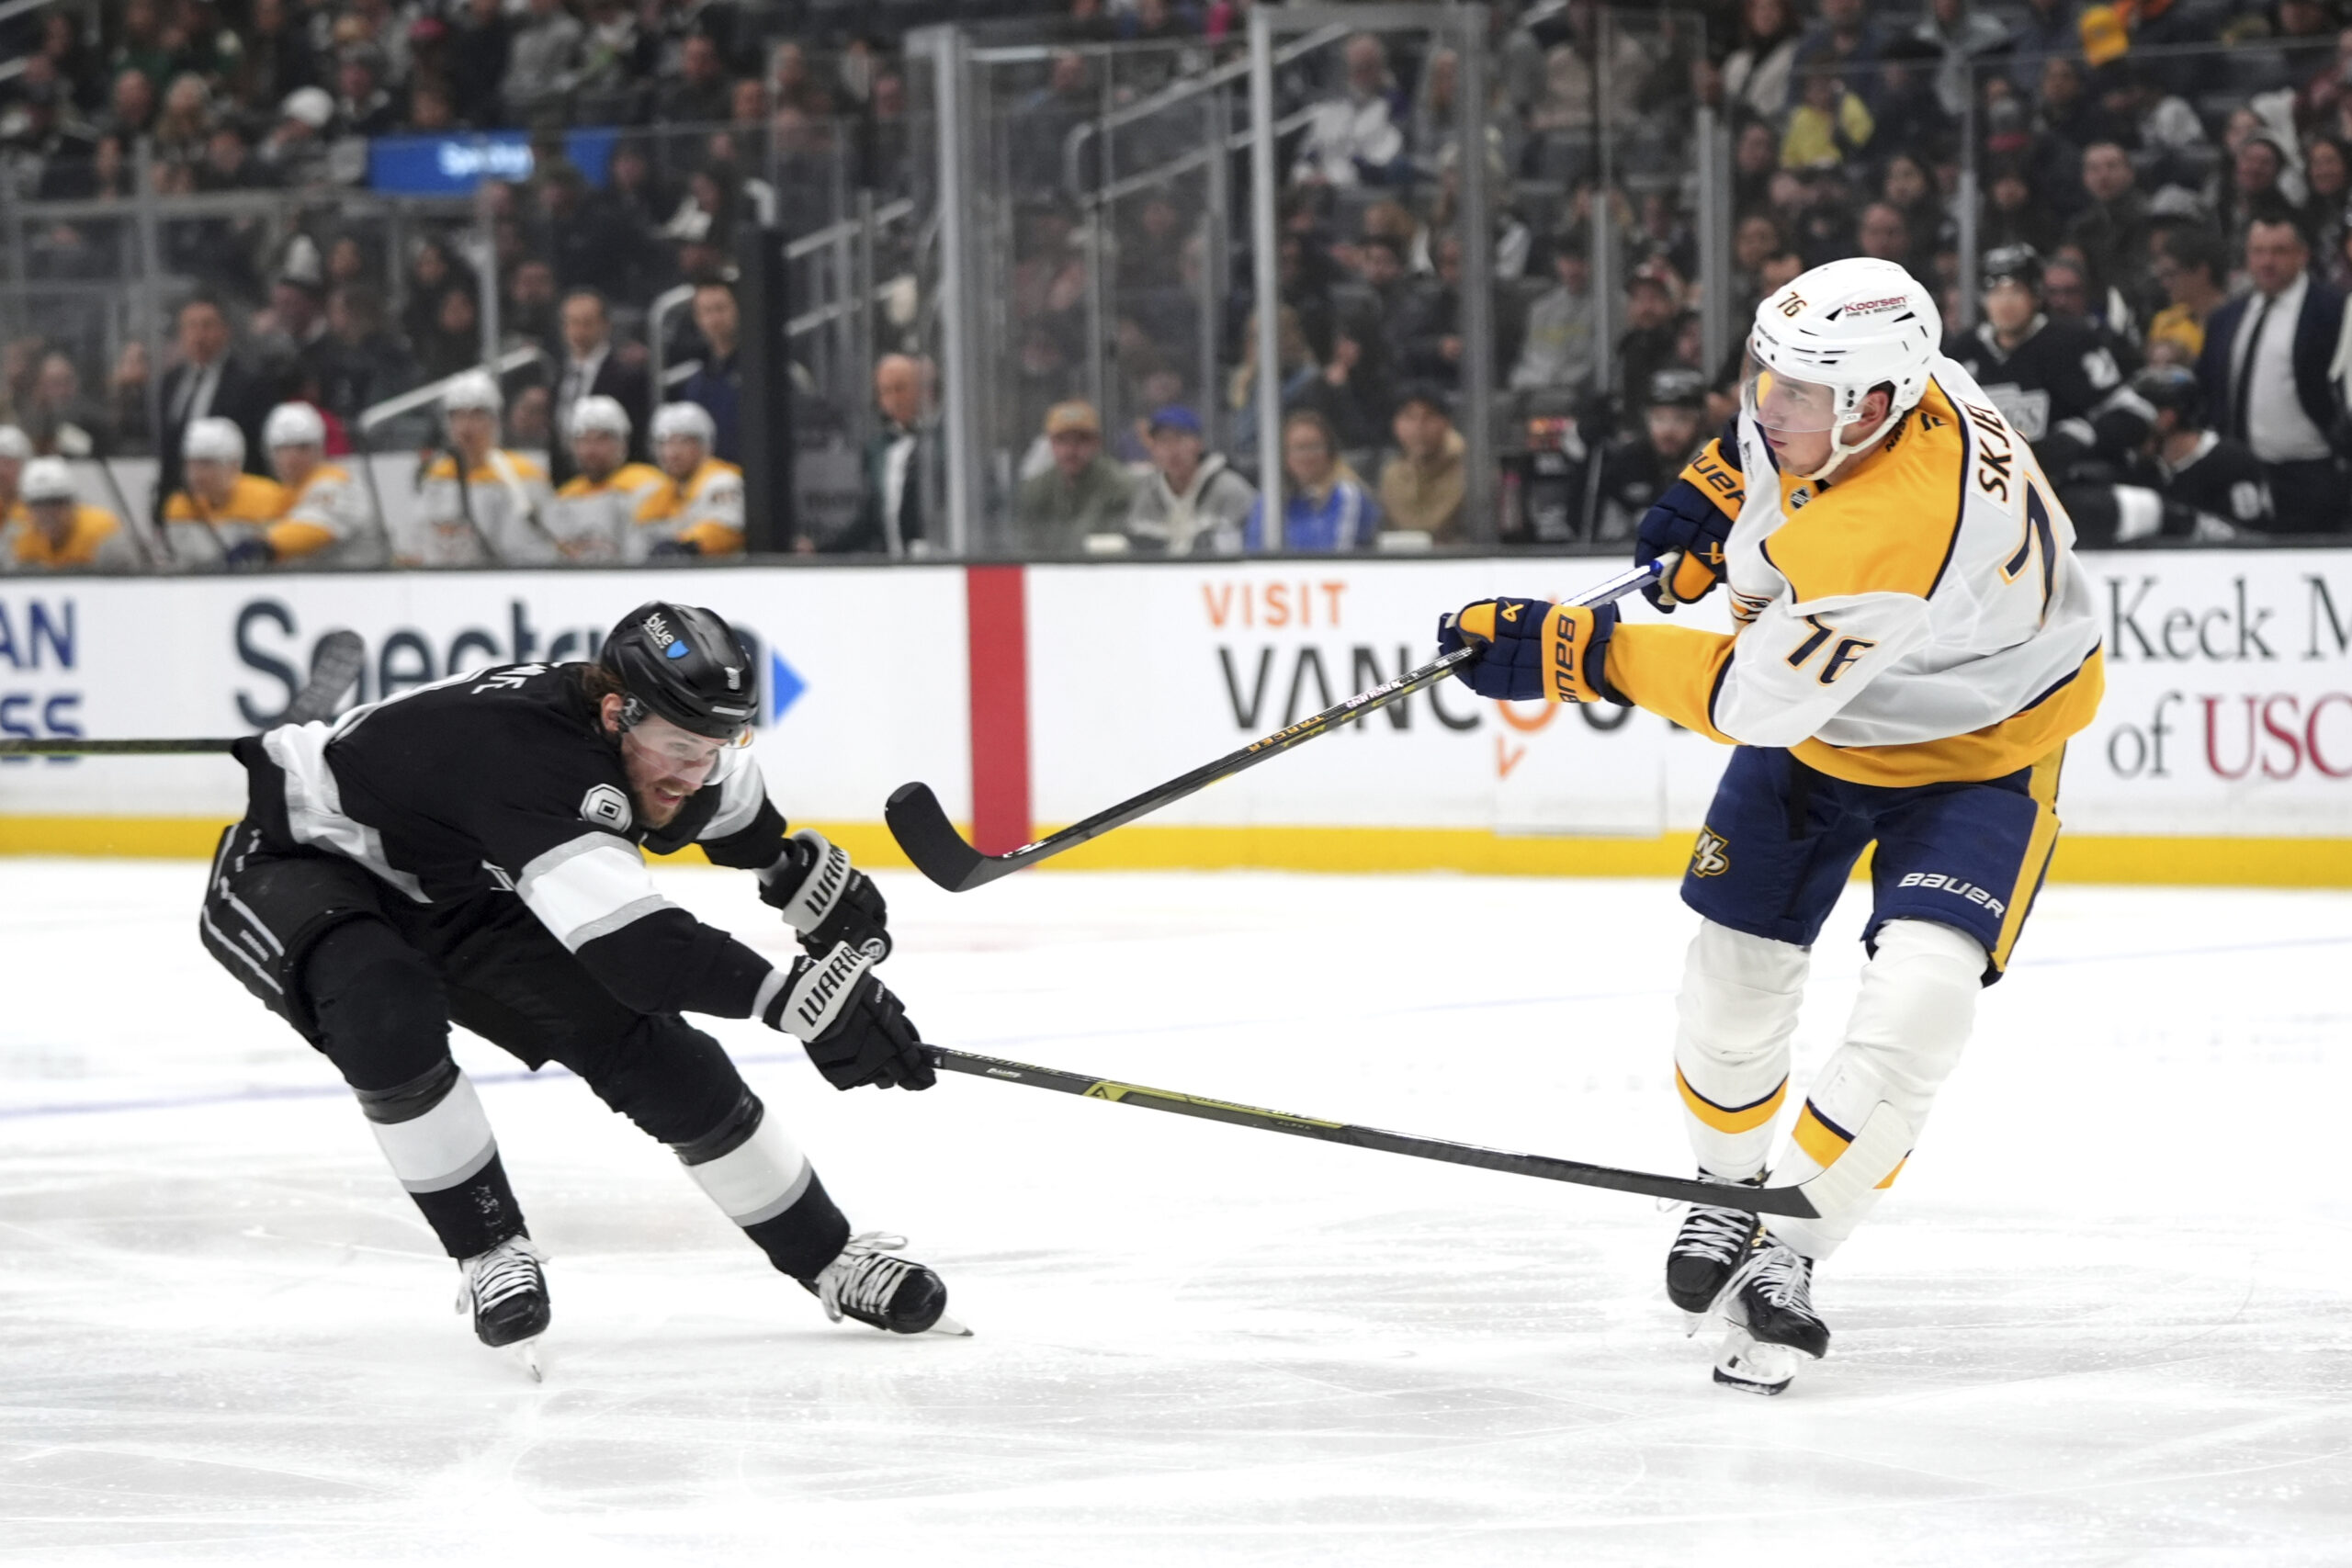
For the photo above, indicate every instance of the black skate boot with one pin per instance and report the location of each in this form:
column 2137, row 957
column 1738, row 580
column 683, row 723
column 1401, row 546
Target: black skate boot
column 1711, row 1242
column 1769, row 1306
column 890, row 1293
column 508, row 1294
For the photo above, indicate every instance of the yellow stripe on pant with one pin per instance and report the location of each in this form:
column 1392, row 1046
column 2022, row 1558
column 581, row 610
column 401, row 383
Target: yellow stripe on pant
column 1731, row 1118
column 2043, row 787
column 1822, row 1141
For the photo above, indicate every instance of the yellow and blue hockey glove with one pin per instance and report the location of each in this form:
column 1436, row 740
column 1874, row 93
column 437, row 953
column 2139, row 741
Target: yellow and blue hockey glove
column 1533, row 649
column 1682, row 519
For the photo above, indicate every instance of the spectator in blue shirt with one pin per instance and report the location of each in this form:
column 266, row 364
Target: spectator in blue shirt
column 1326, row 507
column 717, row 385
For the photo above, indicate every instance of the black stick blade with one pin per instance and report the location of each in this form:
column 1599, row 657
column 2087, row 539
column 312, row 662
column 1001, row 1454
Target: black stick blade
column 334, row 665
column 919, row 824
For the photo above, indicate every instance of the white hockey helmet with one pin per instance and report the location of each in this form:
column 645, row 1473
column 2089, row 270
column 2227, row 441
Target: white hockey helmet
column 293, row 424
column 45, row 478
column 15, row 444
column 1822, row 343
column 685, row 419
column 472, row 389
column 214, row 440
column 598, row 413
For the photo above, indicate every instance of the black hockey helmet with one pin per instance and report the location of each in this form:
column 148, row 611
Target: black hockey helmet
column 2011, row 264
column 685, row 664
column 2173, row 387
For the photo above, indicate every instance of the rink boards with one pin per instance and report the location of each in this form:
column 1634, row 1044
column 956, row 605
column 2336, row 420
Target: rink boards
column 2222, row 753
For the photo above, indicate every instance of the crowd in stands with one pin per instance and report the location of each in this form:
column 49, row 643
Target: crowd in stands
column 2162, row 243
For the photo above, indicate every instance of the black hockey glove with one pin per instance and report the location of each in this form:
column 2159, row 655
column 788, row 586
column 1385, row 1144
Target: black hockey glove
column 823, row 898
column 853, row 1028
column 1683, row 519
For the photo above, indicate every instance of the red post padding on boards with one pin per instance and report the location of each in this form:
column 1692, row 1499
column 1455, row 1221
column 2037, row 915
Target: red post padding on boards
column 997, row 616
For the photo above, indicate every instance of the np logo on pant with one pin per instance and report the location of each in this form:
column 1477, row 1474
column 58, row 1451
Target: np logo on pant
column 1710, row 856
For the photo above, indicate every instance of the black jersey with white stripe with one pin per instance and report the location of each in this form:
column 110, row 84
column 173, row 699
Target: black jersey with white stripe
column 504, row 781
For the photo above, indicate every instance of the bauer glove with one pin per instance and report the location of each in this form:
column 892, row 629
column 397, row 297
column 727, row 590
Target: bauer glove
column 1533, row 649
column 853, row 1029
column 823, row 897
column 1683, row 521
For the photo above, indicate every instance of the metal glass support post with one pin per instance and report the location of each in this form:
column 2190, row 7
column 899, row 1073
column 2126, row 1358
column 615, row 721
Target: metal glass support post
column 860, row 386
column 959, row 310
column 1476, row 320
column 1970, row 215
column 1266, row 257
column 486, row 265
column 151, row 304
column 1603, row 238
column 1716, row 325
column 1216, row 255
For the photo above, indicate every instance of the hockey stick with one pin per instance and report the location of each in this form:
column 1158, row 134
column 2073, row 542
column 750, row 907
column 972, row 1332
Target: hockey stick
column 919, row 823
column 1795, row 1201
column 148, row 552
column 334, row 667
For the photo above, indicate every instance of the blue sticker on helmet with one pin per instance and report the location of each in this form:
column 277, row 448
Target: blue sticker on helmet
column 676, row 649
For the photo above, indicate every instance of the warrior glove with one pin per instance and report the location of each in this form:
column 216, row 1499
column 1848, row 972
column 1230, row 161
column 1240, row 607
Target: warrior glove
column 854, row 1030
column 1533, row 649
column 823, row 898
column 1683, row 521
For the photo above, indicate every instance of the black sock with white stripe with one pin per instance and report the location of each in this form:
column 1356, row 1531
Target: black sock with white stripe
column 759, row 1179
column 434, row 1132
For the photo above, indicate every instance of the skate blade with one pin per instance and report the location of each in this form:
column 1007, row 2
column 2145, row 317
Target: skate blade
column 526, row 1355
column 950, row 1327
column 1752, row 1366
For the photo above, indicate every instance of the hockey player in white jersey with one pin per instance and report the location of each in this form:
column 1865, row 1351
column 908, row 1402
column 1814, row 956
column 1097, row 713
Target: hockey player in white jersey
column 595, row 514
column 328, row 521
column 699, row 510
column 481, row 504
column 1916, row 642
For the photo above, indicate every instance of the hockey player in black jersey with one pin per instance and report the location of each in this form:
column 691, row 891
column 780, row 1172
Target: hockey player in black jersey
column 2055, row 380
column 2189, row 484
column 469, row 852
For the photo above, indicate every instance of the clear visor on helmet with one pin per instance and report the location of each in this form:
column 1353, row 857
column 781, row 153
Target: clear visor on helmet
column 1785, row 404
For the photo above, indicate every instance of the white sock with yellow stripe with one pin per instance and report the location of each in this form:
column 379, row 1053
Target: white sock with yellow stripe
column 1916, row 1007
column 1738, row 1009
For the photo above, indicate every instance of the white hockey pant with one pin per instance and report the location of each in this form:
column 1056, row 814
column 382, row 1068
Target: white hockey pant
column 1739, row 1010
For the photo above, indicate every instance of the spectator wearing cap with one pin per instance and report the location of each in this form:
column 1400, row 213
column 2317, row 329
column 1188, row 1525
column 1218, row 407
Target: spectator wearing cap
column 295, row 150
column 217, row 508
column 209, row 381
column 2266, row 375
column 1421, row 487
column 1636, row 468
column 904, row 475
column 1083, row 493
column 1326, row 508
column 47, row 528
column 1651, row 328
column 1192, row 503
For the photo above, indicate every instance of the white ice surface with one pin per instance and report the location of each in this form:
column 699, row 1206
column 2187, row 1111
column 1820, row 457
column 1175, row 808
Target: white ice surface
column 2101, row 1320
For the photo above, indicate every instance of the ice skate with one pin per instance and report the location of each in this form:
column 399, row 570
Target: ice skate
column 1710, row 1245
column 507, row 1292
column 1768, row 1309
column 895, row 1294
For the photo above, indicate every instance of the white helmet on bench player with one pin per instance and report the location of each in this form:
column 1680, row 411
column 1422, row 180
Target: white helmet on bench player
column 293, row 424
column 1821, row 343
column 690, row 421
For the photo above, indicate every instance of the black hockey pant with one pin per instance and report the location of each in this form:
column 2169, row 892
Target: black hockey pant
column 374, row 979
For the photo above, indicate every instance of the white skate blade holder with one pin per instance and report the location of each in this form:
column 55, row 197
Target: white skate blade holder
column 1747, row 1363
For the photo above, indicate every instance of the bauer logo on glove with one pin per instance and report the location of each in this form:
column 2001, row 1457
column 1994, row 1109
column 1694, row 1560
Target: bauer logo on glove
column 1533, row 649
